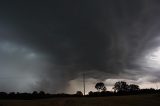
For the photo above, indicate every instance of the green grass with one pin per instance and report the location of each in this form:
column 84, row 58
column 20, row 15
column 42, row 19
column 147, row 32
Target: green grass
column 144, row 100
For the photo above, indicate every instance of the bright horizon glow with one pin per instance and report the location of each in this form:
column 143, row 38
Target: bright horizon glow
column 77, row 84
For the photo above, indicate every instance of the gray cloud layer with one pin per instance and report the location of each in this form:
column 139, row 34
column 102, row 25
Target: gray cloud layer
column 106, row 39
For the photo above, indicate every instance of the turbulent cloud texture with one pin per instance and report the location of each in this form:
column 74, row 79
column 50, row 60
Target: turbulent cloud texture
column 47, row 45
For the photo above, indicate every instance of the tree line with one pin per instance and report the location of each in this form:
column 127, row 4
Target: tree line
column 120, row 88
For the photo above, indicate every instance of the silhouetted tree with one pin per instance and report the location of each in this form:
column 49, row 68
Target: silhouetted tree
column 100, row 86
column 41, row 93
column 133, row 87
column 12, row 93
column 104, row 89
column 3, row 94
column 35, row 93
column 79, row 93
column 121, row 86
column 90, row 93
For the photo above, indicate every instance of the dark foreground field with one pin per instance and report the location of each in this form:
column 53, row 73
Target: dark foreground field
column 145, row 100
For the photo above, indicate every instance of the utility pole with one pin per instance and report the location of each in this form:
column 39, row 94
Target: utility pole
column 84, row 84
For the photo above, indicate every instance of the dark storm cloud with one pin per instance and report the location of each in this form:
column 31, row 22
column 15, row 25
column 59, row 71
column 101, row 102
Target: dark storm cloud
column 100, row 37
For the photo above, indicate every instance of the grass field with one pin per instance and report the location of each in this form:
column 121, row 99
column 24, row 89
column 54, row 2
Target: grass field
column 145, row 100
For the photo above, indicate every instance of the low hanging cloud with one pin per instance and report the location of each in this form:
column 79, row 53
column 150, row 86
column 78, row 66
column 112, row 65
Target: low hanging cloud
column 48, row 45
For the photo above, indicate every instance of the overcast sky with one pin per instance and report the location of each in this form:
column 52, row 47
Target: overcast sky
column 48, row 45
